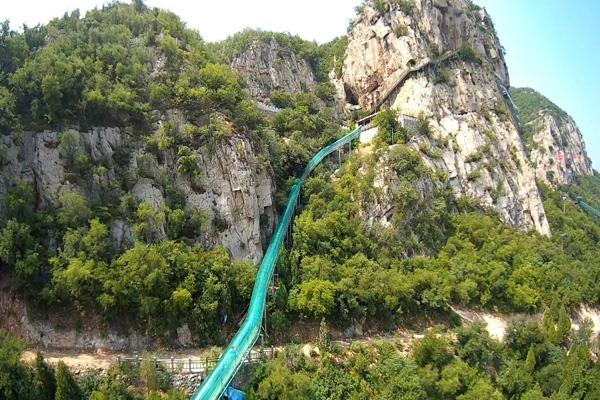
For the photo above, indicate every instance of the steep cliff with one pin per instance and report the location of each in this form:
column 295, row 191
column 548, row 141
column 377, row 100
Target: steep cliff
column 268, row 66
column 269, row 61
column 440, row 61
column 553, row 140
column 230, row 188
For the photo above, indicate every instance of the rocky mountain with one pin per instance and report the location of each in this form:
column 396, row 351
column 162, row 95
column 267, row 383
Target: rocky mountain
column 268, row 65
column 235, row 194
column 270, row 61
column 441, row 60
column 171, row 149
column 555, row 145
column 125, row 139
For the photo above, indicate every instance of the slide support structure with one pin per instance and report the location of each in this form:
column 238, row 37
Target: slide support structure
column 252, row 328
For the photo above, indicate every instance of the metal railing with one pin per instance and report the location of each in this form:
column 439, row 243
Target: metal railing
column 198, row 365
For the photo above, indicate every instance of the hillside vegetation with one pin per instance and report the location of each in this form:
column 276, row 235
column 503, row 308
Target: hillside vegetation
column 129, row 66
column 530, row 103
column 436, row 252
column 362, row 253
column 536, row 362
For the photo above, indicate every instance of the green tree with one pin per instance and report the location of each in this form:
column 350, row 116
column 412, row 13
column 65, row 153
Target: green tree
column 51, row 90
column 149, row 374
column 576, row 376
column 45, row 380
column 8, row 111
column 389, row 129
column 531, row 359
column 68, row 145
column 15, row 376
column 20, row 202
column 515, row 379
column 96, row 242
column 150, row 223
column 563, row 326
column 314, row 297
column 432, row 349
column 483, row 389
column 477, row 348
column 455, row 379
column 282, row 385
column 74, row 211
column 533, row 394
column 15, row 241
column 66, row 386
column 324, row 341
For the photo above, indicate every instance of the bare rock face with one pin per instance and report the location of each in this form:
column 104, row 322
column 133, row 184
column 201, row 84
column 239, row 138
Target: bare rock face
column 441, row 60
column 269, row 65
column 237, row 195
column 553, row 140
column 558, row 154
column 43, row 334
column 235, row 190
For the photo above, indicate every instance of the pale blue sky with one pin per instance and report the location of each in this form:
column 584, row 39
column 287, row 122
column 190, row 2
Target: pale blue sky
column 552, row 45
column 320, row 20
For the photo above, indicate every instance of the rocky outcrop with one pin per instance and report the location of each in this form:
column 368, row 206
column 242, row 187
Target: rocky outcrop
column 558, row 151
column 553, row 140
column 233, row 189
column 452, row 74
column 268, row 65
column 238, row 195
column 44, row 334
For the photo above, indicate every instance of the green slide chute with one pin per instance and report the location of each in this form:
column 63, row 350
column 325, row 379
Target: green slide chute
column 587, row 207
column 243, row 341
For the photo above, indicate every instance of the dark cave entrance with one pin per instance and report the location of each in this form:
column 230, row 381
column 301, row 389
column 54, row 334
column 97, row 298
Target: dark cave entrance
column 350, row 95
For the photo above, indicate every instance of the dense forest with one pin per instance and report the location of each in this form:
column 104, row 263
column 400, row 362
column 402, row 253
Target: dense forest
column 103, row 69
column 437, row 250
column 535, row 362
column 126, row 66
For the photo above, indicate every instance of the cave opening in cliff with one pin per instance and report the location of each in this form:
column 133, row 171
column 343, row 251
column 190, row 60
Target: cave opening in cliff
column 350, row 95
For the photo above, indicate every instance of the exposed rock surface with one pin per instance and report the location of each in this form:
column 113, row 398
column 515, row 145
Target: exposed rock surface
column 235, row 192
column 46, row 334
column 472, row 135
column 269, row 65
column 558, row 153
column 555, row 144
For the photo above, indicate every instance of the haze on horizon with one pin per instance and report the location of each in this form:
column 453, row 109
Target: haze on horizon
column 554, row 49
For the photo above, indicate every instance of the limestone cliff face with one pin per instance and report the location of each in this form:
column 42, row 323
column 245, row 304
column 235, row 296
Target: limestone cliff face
column 269, row 65
column 233, row 190
column 555, row 144
column 558, row 153
column 441, row 60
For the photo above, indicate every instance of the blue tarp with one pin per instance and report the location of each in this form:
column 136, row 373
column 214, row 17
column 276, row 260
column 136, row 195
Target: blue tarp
column 234, row 394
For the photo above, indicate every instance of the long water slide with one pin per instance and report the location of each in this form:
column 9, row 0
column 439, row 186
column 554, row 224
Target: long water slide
column 587, row 207
column 219, row 379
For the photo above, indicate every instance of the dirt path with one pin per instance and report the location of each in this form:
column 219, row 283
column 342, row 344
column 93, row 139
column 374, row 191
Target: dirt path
column 101, row 360
column 496, row 325
column 82, row 361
